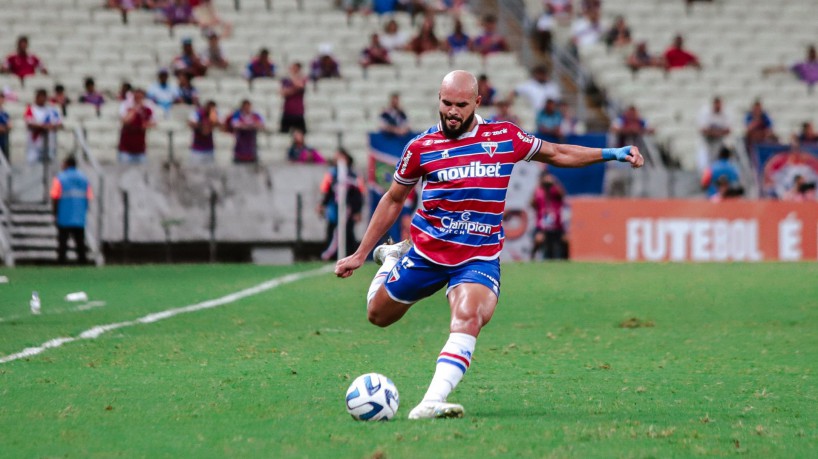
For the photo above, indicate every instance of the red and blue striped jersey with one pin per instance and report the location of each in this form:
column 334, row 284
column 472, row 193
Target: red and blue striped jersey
column 464, row 184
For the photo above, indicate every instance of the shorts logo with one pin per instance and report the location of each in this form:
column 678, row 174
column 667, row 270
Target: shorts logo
column 393, row 276
column 490, row 147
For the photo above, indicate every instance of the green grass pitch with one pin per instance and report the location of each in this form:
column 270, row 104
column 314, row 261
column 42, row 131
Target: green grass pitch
column 720, row 361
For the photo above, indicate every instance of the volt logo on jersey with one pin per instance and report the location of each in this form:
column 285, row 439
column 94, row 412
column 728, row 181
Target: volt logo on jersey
column 473, row 169
column 490, row 147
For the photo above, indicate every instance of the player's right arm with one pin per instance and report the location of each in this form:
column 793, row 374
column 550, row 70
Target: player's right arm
column 386, row 214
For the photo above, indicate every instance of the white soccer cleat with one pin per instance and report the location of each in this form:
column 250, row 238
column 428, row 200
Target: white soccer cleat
column 396, row 250
column 436, row 410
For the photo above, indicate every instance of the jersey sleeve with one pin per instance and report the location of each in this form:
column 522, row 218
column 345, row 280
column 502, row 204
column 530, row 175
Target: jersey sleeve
column 408, row 171
column 525, row 144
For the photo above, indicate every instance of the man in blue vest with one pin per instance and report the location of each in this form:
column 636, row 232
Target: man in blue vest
column 70, row 194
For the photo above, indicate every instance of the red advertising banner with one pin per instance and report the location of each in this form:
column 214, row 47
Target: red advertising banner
column 687, row 230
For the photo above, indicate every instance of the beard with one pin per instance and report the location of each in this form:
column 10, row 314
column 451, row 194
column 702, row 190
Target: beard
column 455, row 133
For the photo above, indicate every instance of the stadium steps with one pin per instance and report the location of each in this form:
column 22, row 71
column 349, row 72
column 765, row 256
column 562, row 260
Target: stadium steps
column 34, row 236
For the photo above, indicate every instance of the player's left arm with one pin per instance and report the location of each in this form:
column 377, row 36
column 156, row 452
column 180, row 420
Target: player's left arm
column 561, row 155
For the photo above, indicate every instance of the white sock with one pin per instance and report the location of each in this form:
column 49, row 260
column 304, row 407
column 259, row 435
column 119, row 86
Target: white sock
column 380, row 277
column 452, row 364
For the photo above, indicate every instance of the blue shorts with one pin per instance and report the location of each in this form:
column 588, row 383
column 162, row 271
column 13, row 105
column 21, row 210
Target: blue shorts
column 415, row 277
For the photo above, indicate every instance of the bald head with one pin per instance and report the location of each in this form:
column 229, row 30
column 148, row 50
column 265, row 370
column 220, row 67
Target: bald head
column 458, row 101
column 459, row 80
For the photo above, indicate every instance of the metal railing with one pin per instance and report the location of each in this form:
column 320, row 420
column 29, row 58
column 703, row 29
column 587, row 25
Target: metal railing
column 749, row 175
column 94, row 231
column 5, row 218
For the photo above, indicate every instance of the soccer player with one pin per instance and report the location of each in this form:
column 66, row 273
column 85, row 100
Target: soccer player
column 465, row 165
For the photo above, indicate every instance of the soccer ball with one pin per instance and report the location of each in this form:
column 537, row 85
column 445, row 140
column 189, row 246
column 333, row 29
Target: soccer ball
column 372, row 397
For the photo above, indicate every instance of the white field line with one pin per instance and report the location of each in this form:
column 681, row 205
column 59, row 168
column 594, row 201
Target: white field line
column 95, row 332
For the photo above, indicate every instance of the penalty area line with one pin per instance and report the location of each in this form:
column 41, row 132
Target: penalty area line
column 95, row 332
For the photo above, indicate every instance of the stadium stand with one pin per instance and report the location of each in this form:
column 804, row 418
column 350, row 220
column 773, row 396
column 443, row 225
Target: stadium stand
column 78, row 38
column 735, row 41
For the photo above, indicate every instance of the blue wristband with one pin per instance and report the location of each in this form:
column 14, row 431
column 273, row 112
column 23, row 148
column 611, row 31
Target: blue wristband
column 619, row 154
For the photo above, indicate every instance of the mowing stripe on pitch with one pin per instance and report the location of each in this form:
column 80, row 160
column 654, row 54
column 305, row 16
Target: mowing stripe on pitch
column 95, row 332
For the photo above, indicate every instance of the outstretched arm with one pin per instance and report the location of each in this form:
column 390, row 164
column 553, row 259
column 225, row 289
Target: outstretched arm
column 385, row 215
column 576, row 156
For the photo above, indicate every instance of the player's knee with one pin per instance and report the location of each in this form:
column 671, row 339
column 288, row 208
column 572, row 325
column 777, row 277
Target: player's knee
column 378, row 318
column 470, row 324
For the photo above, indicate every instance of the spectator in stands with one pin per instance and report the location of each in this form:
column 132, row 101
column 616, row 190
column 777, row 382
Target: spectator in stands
column 721, row 167
column 714, row 126
column 562, row 10
column 676, row 57
column 125, row 92
column 300, row 152
column 640, row 58
column 458, row 41
column 204, row 14
column 724, row 191
column 549, row 203
column 212, row 54
column 22, row 63
column 619, row 35
column 162, row 92
column 70, row 195
column 503, row 112
column 43, row 120
column 124, row 6
column 245, row 123
column 354, row 6
column 807, row 134
column 203, row 121
column 324, row 66
column 629, row 126
column 91, row 96
column 800, row 191
column 586, row 30
column 188, row 94
column 177, row 12
column 425, row 40
column 189, row 62
column 490, row 41
column 375, row 53
column 293, row 88
column 392, row 38
column 806, row 70
column 538, row 89
column 393, row 119
column 549, row 122
column 759, row 126
column 485, row 90
column 544, row 28
column 5, row 127
column 261, row 66
column 60, row 99
column 329, row 204
column 571, row 125
column 137, row 117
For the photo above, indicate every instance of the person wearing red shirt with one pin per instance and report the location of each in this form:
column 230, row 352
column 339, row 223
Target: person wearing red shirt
column 22, row 63
column 677, row 57
column 137, row 118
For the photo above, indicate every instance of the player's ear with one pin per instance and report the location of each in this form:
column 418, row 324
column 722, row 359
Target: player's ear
column 478, row 100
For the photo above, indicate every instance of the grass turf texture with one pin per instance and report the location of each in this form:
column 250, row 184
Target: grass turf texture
column 721, row 361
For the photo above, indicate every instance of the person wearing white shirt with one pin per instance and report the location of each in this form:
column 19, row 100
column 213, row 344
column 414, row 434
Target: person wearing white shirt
column 391, row 38
column 714, row 126
column 538, row 89
column 42, row 122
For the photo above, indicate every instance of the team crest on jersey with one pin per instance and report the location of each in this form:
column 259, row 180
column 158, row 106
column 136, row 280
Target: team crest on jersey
column 393, row 276
column 490, row 147
column 445, row 154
